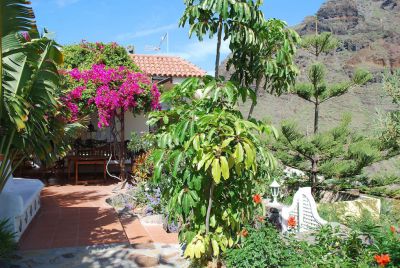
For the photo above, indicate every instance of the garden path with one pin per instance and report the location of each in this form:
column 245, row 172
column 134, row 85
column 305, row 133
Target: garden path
column 75, row 227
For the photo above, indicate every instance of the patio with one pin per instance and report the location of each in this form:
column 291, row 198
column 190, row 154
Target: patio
column 74, row 216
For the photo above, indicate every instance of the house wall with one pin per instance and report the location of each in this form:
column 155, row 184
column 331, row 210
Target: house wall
column 135, row 123
column 132, row 123
column 177, row 80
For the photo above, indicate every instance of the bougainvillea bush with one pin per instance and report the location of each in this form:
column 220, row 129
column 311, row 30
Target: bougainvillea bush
column 210, row 165
column 111, row 91
column 104, row 80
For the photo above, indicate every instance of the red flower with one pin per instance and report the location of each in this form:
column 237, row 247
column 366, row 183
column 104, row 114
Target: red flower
column 244, row 232
column 382, row 260
column 393, row 229
column 257, row 199
column 292, row 222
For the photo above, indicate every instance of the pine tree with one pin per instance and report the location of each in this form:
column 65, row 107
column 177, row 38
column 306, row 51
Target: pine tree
column 316, row 90
column 335, row 153
column 390, row 135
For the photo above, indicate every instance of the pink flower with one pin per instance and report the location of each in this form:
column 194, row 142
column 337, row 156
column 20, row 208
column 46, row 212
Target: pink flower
column 75, row 74
column 77, row 92
column 114, row 89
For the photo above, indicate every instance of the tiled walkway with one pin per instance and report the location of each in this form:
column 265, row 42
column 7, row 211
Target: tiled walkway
column 72, row 216
column 75, row 227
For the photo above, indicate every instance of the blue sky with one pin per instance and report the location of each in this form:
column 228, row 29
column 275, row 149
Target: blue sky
column 143, row 22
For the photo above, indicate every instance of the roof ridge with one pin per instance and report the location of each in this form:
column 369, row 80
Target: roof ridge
column 167, row 65
column 155, row 56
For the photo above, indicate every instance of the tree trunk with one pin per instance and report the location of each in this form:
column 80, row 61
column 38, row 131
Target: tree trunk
column 314, row 171
column 210, row 201
column 218, row 55
column 122, row 146
column 253, row 104
column 316, row 116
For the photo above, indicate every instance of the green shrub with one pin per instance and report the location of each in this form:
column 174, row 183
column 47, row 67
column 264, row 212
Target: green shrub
column 138, row 143
column 267, row 248
column 7, row 243
column 262, row 248
column 210, row 163
column 85, row 54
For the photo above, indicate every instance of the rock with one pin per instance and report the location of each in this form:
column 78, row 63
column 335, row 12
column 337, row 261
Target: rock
column 389, row 4
column 326, row 196
column 152, row 219
column 143, row 246
column 356, row 208
column 68, row 255
column 169, row 256
column 336, row 16
column 143, row 260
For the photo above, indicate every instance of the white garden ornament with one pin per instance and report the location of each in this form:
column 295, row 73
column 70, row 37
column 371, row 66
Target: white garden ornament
column 304, row 211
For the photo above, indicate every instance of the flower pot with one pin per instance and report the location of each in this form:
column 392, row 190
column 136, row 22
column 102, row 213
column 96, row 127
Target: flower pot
column 1, row 157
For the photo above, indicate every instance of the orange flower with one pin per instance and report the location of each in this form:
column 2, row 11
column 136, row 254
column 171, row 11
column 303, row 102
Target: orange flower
column 393, row 229
column 244, row 232
column 292, row 222
column 260, row 218
column 257, row 199
column 382, row 260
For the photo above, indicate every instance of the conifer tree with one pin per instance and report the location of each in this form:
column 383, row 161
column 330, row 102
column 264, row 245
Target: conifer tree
column 390, row 136
column 338, row 152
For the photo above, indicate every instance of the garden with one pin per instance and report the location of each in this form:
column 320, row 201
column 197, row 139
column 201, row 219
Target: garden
column 219, row 179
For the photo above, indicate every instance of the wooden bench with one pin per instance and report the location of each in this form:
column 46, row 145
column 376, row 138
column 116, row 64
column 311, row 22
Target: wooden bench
column 90, row 156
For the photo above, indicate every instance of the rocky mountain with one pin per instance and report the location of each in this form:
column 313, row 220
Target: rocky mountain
column 369, row 32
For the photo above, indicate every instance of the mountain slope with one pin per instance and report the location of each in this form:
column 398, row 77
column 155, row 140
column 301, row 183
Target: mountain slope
column 369, row 31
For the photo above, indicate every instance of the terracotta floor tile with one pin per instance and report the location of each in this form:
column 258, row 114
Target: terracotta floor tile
column 72, row 215
column 78, row 215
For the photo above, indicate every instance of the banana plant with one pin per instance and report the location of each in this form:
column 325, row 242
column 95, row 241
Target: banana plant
column 211, row 162
column 29, row 83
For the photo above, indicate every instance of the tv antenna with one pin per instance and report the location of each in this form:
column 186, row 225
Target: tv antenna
column 164, row 38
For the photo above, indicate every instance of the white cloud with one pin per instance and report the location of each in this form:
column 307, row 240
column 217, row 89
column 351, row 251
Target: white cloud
column 146, row 32
column 203, row 50
column 63, row 3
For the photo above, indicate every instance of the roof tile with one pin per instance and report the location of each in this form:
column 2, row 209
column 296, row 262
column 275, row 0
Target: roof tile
column 159, row 65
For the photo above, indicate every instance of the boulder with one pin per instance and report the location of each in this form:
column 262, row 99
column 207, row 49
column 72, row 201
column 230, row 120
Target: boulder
column 356, row 208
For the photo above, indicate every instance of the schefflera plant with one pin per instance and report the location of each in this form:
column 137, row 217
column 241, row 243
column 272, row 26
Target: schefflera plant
column 210, row 163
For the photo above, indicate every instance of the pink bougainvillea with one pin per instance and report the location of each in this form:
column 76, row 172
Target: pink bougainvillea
column 111, row 90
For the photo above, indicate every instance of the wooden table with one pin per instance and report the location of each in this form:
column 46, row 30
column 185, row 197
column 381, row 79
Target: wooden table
column 77, row 161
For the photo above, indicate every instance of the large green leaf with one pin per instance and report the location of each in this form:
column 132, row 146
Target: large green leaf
column 216, row 170
column 16, row 16
column 224, row 167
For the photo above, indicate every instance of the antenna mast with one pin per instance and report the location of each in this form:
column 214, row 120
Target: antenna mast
column 165, row 37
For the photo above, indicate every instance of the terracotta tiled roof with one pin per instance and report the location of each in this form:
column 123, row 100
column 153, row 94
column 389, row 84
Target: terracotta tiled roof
column 158, row 65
